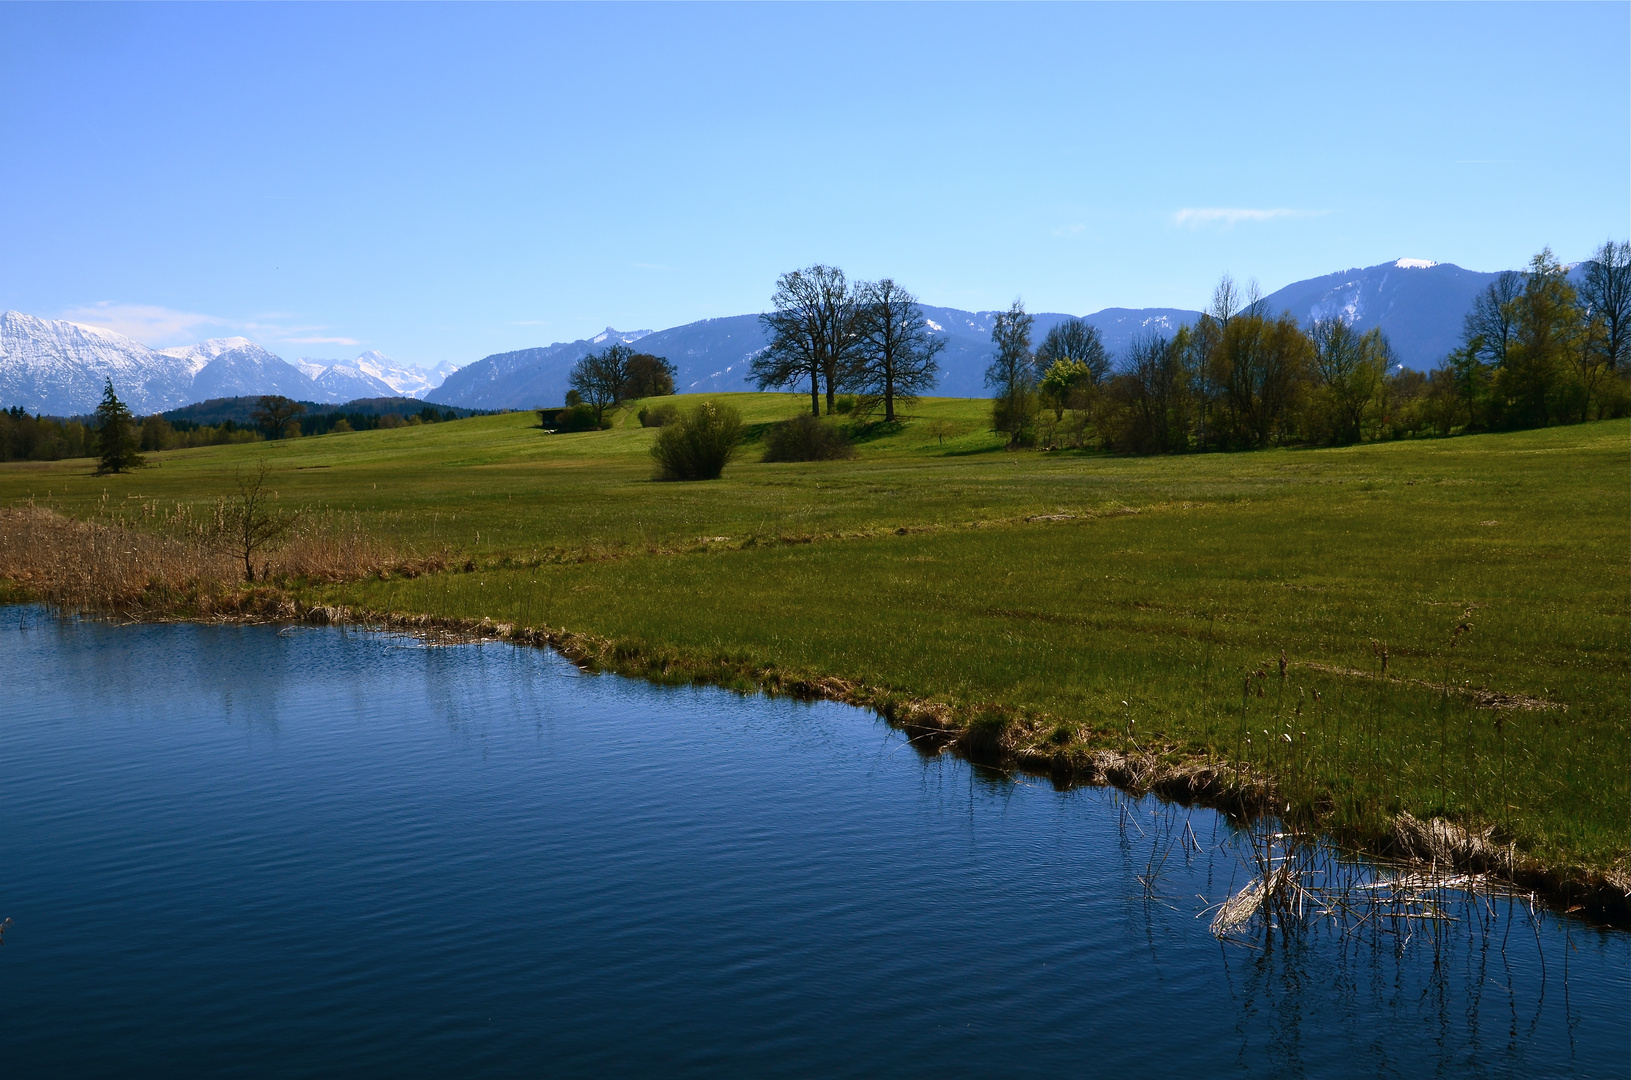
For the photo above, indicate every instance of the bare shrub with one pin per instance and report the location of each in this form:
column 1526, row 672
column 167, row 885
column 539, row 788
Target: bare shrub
column 249, row 524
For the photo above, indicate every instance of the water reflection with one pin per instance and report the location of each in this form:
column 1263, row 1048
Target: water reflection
column 346, row 850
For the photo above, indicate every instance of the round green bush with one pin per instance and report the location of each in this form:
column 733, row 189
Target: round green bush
column 806, row 438
column 699, row 444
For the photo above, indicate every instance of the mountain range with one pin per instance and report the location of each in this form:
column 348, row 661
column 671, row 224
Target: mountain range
column 60, row 367
column 1418, row 304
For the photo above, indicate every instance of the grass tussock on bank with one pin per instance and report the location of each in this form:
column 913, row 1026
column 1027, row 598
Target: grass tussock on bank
column 1432, row 628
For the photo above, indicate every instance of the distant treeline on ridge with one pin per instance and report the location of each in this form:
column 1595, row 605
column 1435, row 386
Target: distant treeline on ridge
column 1535, row 350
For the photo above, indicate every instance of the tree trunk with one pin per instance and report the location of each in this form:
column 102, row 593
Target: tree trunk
column 815, row 391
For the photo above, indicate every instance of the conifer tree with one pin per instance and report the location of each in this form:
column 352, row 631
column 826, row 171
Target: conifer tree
column 116, row 435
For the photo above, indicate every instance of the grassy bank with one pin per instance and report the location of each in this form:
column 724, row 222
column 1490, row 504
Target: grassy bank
column 1059, row 602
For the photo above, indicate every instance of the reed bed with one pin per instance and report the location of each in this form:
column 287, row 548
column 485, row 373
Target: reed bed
column 166, row 561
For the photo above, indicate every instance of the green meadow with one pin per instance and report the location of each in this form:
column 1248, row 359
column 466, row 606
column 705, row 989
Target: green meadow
column 1082, row 599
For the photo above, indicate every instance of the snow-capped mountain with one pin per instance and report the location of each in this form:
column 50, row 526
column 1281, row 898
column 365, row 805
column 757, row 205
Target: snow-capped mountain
column 250, row 369
column 373, row 374
column 345, row 382
column 205, row 351
column 60, row 368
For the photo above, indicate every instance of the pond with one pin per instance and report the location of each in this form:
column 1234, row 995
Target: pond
column 246, row 850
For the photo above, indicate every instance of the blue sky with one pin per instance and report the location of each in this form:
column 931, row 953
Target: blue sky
column 444, row 182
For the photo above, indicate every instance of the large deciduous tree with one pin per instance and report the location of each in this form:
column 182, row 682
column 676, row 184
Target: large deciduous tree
column 600, row 378
column 1547, row 331
column 1605, row 293
column 895, row 349
column 648, row 376
column 273, row 413
column 1153, row 392
column 812, row 331
column 1074, row 339
column 1258, row 364
column 1488, row 329
column 1350, row 372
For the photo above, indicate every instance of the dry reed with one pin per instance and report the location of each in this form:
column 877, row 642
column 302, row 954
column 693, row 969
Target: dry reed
column 173, row 565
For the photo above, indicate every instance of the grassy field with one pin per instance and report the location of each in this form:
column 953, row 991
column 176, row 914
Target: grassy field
column 1088, row 600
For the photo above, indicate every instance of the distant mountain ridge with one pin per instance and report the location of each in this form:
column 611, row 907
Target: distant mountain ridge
column 60, row 367
column 1419, row 304
column 716, row 355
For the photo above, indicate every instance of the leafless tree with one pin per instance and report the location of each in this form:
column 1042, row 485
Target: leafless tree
column 895, row 356
column 600, row 378
column 1350, row 369
column 1074, row 339
column 247, row 523
column 1491, row 325
column 1605, row 290
column 1012, row 373
column 812, row 333
column 1153, row 384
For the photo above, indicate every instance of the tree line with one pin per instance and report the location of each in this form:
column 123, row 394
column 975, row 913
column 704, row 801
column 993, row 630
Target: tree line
column 119, row 439
column 1535, row 350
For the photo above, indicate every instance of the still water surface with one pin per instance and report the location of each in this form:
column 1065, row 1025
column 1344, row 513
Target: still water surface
column 243, row 851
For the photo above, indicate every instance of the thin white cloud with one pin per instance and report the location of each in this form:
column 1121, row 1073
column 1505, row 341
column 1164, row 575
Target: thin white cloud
column 147, row 323
column 159, row 327
column 1195, row 217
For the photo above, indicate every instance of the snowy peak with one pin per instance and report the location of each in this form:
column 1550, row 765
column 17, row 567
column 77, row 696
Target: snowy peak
column 372, row 374
column 60, row 367
column 250, row 369
column 1414, row 264
column 625, row 337
column 205, row 351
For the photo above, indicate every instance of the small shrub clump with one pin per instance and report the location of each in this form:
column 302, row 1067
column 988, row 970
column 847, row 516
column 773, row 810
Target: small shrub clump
column 658, row 415
column 577, row 417
column 806, row 438
column 699, row 444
